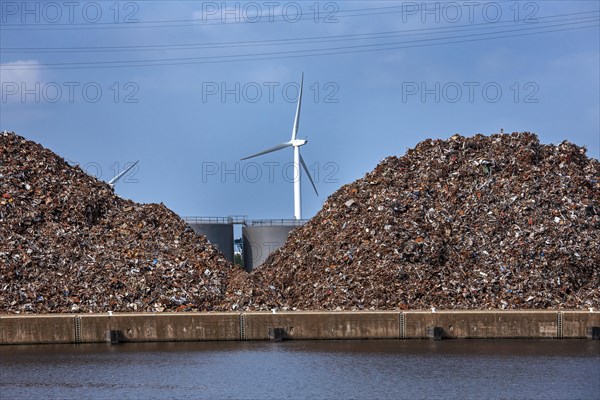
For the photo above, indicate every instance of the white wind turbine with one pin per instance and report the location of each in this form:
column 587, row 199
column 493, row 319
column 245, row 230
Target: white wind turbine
column 298, row 160
column 114, row 180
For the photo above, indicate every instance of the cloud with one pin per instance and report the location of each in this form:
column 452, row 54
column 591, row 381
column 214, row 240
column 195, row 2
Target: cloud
column 13, row 77
column 12, row 72
column 587, row 60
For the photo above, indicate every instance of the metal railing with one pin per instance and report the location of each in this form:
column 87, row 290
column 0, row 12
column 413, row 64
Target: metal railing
column 239, row 219
column 277, row 222
column 243, row 220
column 208, row 220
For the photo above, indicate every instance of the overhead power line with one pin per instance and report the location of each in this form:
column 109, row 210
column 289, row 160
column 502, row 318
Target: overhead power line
column 473, row 37
column 583, row 17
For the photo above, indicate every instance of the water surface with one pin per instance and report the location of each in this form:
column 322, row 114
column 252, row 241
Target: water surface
column 411, row 369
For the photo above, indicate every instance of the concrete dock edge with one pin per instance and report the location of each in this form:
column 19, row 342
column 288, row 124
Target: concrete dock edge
column 306, row 325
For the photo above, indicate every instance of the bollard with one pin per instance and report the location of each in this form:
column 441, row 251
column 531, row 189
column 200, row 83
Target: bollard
column 276, row 334
column 435, row 333
column 593, row 333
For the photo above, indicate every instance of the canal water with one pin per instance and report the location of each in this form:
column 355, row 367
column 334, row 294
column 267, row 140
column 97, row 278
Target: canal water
column 411, row 369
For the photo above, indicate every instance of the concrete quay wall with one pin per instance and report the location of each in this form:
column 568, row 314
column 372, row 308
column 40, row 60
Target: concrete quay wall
column 305, row 325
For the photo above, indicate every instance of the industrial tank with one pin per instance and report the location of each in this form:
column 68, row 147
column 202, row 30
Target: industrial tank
column 262, row 237
column 218, row 231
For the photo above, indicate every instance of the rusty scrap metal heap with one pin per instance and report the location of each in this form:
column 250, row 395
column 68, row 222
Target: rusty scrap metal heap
column 69, row 244
column 500, row 222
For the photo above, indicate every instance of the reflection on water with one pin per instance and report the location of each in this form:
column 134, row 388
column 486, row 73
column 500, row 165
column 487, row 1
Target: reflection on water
column 419, row 369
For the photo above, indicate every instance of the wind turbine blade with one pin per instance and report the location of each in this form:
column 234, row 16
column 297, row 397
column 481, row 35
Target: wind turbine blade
column 270, row 150
column 308, row 173
column 119, row 176
column 297, row 119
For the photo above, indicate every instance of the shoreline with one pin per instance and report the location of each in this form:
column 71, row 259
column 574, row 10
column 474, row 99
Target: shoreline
column 297, row 325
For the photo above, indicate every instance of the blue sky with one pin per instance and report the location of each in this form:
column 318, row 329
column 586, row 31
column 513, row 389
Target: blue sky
column 106, row 83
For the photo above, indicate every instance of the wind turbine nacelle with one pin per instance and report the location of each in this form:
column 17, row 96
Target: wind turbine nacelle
column 299, row 142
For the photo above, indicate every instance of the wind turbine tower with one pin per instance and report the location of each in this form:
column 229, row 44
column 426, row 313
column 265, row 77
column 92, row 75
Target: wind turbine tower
column 298, row 160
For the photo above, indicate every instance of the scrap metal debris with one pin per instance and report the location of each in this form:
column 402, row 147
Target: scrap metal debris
column 69, row 244
column 483, row 222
